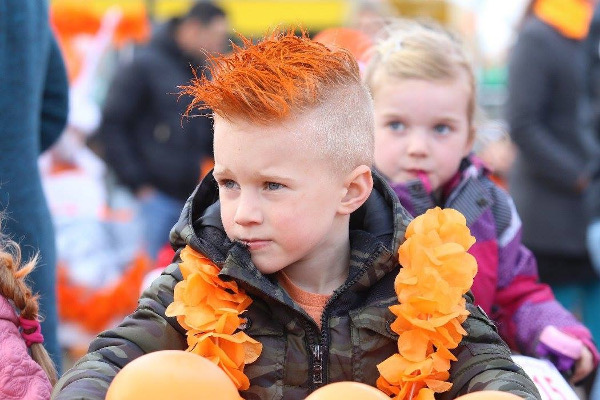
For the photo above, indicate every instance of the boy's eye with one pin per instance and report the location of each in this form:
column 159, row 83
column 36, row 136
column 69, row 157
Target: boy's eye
column 273, row 186
column 227, row 184
column 396, row 126
column 442, row 129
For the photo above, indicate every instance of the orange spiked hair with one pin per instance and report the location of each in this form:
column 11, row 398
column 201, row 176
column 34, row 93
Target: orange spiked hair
column 264, row 82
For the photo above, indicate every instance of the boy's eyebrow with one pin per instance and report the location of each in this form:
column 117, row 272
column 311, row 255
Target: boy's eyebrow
column 272, row 177
column 218, row 170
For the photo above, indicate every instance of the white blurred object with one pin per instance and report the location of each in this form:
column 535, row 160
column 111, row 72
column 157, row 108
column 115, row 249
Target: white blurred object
column 85, row 228
column 549, row 382
column 149, row 278
column 84, row 113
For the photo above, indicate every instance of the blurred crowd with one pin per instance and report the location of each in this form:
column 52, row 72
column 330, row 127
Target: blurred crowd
column 131, row 152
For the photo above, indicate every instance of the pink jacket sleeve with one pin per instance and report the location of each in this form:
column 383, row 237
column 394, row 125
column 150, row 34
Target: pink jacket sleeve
column 20, row 376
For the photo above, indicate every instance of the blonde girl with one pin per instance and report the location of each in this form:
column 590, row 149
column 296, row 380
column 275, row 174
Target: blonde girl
column 424, row 92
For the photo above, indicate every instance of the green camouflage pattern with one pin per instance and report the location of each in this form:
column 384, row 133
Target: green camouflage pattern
column 297, row 356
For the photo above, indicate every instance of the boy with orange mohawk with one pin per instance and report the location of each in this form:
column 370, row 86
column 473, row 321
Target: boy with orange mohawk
column 287, row 252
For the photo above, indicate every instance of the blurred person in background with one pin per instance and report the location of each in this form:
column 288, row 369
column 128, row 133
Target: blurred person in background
column 551, row 171
column 152, row 150
column 33, row 113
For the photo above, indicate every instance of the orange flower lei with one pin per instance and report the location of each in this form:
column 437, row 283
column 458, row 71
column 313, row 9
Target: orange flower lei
column 436, row 272
column 209, row 309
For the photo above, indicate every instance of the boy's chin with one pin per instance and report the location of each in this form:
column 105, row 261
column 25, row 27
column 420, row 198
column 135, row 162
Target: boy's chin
column 266, row 266
column 269, row 269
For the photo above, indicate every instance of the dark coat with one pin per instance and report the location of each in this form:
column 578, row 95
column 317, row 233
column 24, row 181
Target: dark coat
column 545, row 90
column 146, row 139
column 33, row 113
column 297, row 357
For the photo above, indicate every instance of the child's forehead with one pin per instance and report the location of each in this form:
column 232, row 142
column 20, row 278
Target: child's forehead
column 299, row 124
column 291, row 141
column 289, row 135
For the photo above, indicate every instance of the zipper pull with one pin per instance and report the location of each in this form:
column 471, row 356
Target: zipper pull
column 318, row 364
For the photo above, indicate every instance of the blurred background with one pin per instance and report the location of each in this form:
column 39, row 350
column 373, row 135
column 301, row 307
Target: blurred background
column 488, row 26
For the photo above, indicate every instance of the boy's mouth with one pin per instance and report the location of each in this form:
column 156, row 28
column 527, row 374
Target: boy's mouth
column 255, row 244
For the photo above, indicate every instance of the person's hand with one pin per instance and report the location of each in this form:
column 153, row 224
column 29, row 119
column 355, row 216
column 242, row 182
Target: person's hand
column 561, row 349
column 593, row 243
column 583, row 366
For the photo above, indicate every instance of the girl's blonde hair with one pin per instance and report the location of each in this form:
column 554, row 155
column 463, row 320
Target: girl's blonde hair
column 14, row 288
column 409, row 49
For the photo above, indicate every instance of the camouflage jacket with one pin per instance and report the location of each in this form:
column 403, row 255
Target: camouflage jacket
column 297, row 357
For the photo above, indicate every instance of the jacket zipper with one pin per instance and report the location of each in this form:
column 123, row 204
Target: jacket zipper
column 317, row 350
column 317, row 375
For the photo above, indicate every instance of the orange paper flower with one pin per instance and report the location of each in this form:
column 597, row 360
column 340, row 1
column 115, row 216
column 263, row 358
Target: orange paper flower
column 436, row 272
column 209, row 309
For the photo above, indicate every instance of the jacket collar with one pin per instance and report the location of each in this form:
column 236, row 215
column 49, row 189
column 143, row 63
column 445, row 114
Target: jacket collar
column 465, row 192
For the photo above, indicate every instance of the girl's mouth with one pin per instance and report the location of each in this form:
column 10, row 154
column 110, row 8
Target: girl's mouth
column 423, row 177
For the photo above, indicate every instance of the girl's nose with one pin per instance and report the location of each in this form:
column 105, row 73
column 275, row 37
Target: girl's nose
column 418, row 145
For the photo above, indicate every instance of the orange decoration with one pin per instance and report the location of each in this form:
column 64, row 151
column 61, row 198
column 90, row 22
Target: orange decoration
column 171, row 374
column 489, row 395
column 436, row 272
column 94, row 308
column 353, row 40
column 72, row 20
column 209, row 309
column 347, row 391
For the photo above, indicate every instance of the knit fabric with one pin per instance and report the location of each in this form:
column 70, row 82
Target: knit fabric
column 312, row 303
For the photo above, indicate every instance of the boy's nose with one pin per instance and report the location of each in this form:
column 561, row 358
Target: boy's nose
column 248, row 210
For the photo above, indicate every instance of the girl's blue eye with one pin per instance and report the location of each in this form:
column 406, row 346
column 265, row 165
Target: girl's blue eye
column 396, row 126
column 442, row 129
column 273, row 186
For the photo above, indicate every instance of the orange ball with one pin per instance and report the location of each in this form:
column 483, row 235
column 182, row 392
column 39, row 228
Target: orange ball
column 347, row 391
column 489, row 395
column 171, row 374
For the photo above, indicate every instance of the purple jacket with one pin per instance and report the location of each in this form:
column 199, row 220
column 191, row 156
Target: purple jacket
column 20, row 376
column 506, row 285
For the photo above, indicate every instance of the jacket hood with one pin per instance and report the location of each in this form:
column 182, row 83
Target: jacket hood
column 200, row 226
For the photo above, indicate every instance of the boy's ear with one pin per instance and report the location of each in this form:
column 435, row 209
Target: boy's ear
column 358, row 185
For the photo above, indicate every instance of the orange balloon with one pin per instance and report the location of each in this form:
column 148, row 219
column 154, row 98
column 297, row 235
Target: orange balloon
column 171, row 374
column 489, row 395
column 347, row 391
column 354, row 40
